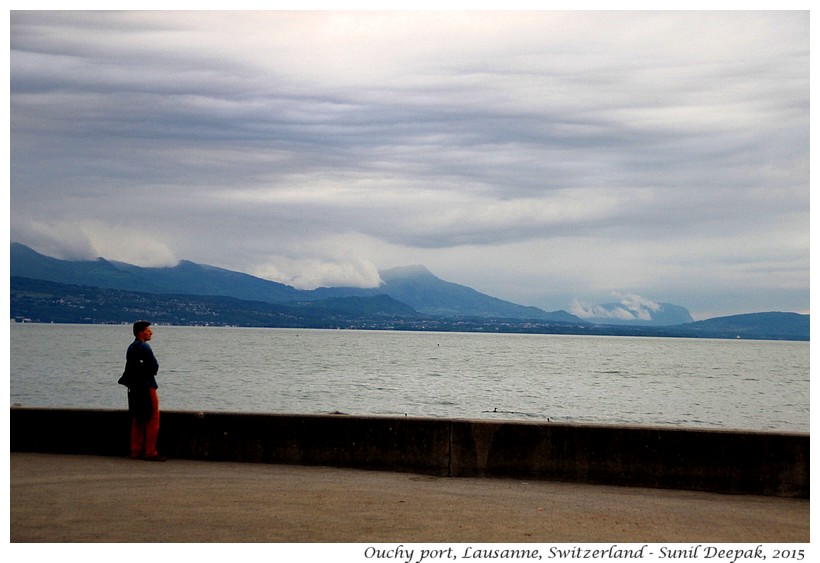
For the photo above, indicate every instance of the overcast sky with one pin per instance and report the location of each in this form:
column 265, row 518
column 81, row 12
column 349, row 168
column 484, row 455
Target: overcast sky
column 555, row 159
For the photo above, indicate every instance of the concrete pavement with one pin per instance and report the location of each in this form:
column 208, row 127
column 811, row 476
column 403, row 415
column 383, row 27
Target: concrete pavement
column 71, row 498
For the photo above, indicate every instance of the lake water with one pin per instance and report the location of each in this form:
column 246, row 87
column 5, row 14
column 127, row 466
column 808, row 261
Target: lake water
column 733, row 384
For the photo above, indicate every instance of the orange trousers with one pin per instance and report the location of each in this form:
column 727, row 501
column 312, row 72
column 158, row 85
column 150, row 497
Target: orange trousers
column 144, row 433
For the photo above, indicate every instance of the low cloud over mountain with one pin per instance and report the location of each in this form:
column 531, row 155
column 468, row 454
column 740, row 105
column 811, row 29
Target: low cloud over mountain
column 45, row 289
column 633, row 310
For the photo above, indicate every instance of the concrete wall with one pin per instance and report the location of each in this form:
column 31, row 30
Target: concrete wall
column 775, row 464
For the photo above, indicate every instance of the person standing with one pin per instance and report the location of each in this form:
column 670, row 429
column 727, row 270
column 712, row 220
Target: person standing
column 141, row 368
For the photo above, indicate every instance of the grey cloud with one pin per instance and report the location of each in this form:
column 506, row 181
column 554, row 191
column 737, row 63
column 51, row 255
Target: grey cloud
column 259, row 133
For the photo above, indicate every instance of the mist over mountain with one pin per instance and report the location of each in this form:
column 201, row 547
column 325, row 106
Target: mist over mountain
column 46, row 289
column 414, row 286
column 426, row 293
column 633, row 310
column 187, row 278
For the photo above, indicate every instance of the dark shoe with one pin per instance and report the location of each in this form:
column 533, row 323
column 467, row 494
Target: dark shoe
column 155, row 457
column 138, row 456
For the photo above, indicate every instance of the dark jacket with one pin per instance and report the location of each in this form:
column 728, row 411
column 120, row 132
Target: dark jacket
column 141, row 367
column 140, row 364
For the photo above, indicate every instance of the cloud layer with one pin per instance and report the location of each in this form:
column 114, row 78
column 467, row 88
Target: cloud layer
column 536, row 156
column 628, row 308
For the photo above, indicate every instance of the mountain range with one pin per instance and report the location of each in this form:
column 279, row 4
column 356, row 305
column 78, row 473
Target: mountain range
column 414, row 285
column 47, row 289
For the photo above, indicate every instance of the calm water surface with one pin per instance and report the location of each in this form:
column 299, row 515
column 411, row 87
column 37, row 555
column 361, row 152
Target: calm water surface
column 737, row 384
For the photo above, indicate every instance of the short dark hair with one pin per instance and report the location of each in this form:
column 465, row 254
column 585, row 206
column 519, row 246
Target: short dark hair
column 139, row 326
